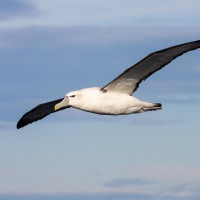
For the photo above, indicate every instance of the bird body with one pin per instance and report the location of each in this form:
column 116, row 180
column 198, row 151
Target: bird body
column 115, row 98
column 108, row 103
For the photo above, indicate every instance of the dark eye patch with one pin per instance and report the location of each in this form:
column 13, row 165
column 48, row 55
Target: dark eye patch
column 72, row 95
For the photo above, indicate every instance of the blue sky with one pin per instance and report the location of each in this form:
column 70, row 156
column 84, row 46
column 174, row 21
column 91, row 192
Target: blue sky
column 49, row 48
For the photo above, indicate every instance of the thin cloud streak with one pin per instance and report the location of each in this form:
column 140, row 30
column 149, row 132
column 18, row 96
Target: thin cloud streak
column 129, row 182
column 97, row 35
column 6, row 125
column 11, row 9
column 99, row 196
column 112, row 13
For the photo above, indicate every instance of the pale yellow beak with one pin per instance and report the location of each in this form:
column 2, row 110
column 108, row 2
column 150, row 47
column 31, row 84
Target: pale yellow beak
column 63, row 104
column 56, row 107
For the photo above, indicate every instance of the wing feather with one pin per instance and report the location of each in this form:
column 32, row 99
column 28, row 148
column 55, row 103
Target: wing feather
column 38, row 113
column 129, row 80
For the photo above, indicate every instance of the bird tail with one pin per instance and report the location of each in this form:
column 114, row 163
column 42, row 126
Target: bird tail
column 152, row 106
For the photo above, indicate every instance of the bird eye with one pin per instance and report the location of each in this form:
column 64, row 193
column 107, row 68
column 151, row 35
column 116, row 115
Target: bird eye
column 72, row 95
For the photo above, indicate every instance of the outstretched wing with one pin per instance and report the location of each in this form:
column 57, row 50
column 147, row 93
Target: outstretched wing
column 129, row 80
column 38, row 112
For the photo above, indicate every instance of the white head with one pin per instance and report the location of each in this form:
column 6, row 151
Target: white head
column 78, row 98
column 71, row 99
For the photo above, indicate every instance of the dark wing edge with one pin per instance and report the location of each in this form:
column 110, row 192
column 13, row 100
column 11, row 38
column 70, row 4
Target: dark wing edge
column 196, row 46
column 39, row 112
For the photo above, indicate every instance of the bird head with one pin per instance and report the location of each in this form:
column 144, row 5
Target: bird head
column 71, row 99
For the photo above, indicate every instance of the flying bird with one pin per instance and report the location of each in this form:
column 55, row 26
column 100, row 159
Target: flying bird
column 115, row 98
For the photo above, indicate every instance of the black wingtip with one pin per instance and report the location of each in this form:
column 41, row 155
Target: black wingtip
column 24, row 120
column 38, row 113
column 20, row 124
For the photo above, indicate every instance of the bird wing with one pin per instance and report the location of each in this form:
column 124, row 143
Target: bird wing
column 39, row 112
column 129, row 80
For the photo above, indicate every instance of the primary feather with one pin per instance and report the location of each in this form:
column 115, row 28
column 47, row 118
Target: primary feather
column 129, row 80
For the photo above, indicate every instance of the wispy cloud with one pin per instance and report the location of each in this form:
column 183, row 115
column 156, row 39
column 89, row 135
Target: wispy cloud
column 186, row 189
column 138, row 12
column 6, row 125
column 171, row 174
column 189, row 188
column 11, row 9
column 129, row 182
column 94, row 35
column 98, row 196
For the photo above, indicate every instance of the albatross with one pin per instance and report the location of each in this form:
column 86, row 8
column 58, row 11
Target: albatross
column 115, row 98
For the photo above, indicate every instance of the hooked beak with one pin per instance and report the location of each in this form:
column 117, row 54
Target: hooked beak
column 63, row 104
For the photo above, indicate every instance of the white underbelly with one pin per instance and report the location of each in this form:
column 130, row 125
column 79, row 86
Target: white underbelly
column 111, row 105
